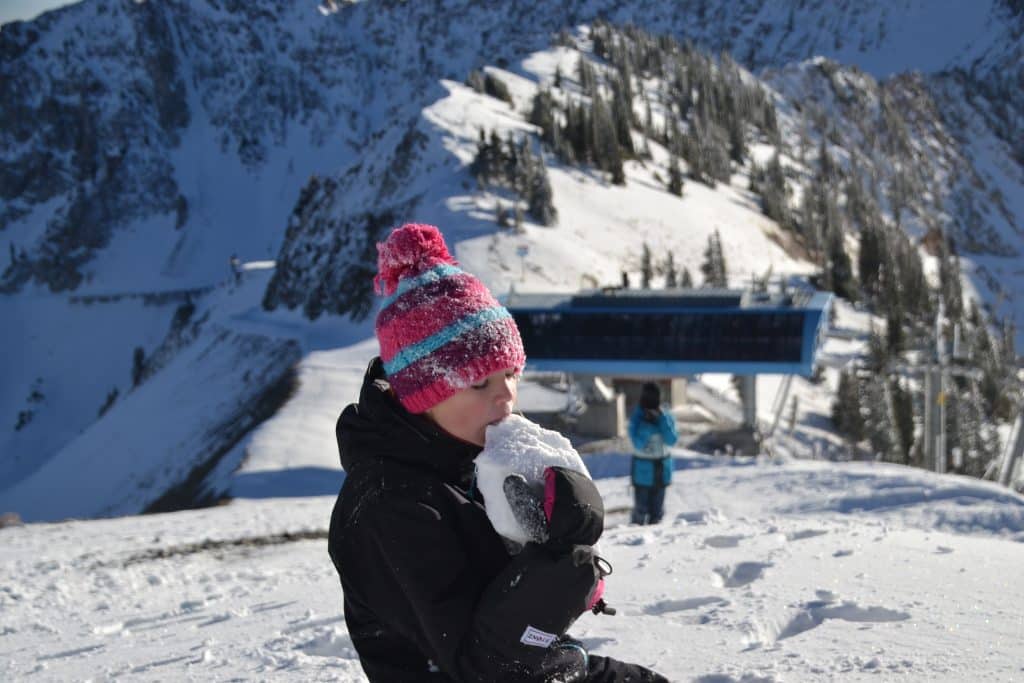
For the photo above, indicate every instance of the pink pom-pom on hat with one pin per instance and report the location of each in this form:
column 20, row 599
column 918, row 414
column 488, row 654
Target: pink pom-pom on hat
column 409, row 250
column 440, row 329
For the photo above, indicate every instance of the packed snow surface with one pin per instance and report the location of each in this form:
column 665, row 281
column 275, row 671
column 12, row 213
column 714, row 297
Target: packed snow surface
column 763, row 570
column 517, row 446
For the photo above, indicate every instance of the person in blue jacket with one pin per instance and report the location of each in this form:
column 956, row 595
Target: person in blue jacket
column 651, row 430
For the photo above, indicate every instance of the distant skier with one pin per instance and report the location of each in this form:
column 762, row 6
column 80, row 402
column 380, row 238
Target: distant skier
column 431, row 592
column 651, row 429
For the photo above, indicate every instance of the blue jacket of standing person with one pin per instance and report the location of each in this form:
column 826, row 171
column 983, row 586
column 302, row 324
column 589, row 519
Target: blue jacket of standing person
column 651, row 432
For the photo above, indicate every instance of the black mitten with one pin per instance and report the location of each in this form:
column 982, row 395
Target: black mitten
column 568, row 512
column 573, row 509
column 608, row 670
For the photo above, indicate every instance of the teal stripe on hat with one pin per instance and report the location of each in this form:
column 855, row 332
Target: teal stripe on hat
column 438, row 272
column 414, row 352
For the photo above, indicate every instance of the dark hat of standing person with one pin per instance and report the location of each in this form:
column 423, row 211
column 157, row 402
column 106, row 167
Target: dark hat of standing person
column 650, row 396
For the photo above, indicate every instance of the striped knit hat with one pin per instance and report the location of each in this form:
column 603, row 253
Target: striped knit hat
column 439, row 329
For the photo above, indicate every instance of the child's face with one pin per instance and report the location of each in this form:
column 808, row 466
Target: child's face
column 467, row 413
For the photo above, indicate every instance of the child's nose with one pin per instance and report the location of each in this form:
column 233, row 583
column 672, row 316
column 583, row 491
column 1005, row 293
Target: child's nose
column 507, row 389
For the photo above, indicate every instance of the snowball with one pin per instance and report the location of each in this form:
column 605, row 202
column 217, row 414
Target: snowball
column 516, row 445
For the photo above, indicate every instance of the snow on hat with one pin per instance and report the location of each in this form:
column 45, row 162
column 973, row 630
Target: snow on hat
column 440, row 329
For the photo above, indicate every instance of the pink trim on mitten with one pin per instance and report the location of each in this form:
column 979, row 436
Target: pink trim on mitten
column 549, row 493
column 598, row 594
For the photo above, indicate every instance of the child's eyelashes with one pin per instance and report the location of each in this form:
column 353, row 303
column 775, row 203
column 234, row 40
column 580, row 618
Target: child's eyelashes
column 511, row 374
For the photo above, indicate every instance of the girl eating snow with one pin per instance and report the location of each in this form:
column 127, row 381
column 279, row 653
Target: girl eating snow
column 431, row 590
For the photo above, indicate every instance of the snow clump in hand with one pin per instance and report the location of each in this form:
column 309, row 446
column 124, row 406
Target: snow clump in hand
column 517, row 446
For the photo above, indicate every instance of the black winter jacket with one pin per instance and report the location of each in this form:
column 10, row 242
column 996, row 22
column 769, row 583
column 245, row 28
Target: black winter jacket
column 428, row 584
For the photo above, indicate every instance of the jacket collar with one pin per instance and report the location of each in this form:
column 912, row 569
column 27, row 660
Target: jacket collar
column 378, row 427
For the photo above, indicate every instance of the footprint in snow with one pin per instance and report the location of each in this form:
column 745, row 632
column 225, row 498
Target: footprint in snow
column 804, row 533
column 667, row 606
column 699, row 517
column 813, row 614
column 741, row 574
column 723, row 541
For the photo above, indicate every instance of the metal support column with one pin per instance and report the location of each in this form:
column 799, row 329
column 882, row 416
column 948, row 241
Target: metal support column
column 750, row 401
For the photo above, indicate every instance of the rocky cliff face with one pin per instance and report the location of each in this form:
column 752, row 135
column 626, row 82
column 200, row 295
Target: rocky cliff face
column 97, row 97
column 85, row 133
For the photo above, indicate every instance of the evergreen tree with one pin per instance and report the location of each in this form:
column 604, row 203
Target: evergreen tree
column 138, row 365
column 737, row 138
column 540, row 197
column 846, row 412
column 622, row 117
column 713, row 267
column 878, row 356
column 894, row 333
column 587, row 79
column 675, row 177
column 686, row 280
column 949, row 282
column 869, row 260
column 496, row 88
column 899, row 193
column 840, row 271
column 543, row 115
column 903, row 411
column 603, row 142
column 879, row 422
column 775, row 193
column 671, row 275
column 646, row 268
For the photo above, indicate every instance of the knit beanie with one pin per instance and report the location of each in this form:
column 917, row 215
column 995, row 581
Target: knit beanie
column 440, row 329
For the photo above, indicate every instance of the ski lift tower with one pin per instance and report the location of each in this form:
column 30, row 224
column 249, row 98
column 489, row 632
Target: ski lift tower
column 944, row 364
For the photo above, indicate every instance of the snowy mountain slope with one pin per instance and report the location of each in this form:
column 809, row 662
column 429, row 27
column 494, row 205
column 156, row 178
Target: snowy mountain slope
column 237, row 104
column 259, row 95
column 217, row 387
column 763, row 570
column 66, row 374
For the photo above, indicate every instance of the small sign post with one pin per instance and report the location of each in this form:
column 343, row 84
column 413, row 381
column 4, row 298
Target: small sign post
column 522, row 251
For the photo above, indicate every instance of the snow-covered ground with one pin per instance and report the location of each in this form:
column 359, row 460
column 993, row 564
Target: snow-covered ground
column 762, row 571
